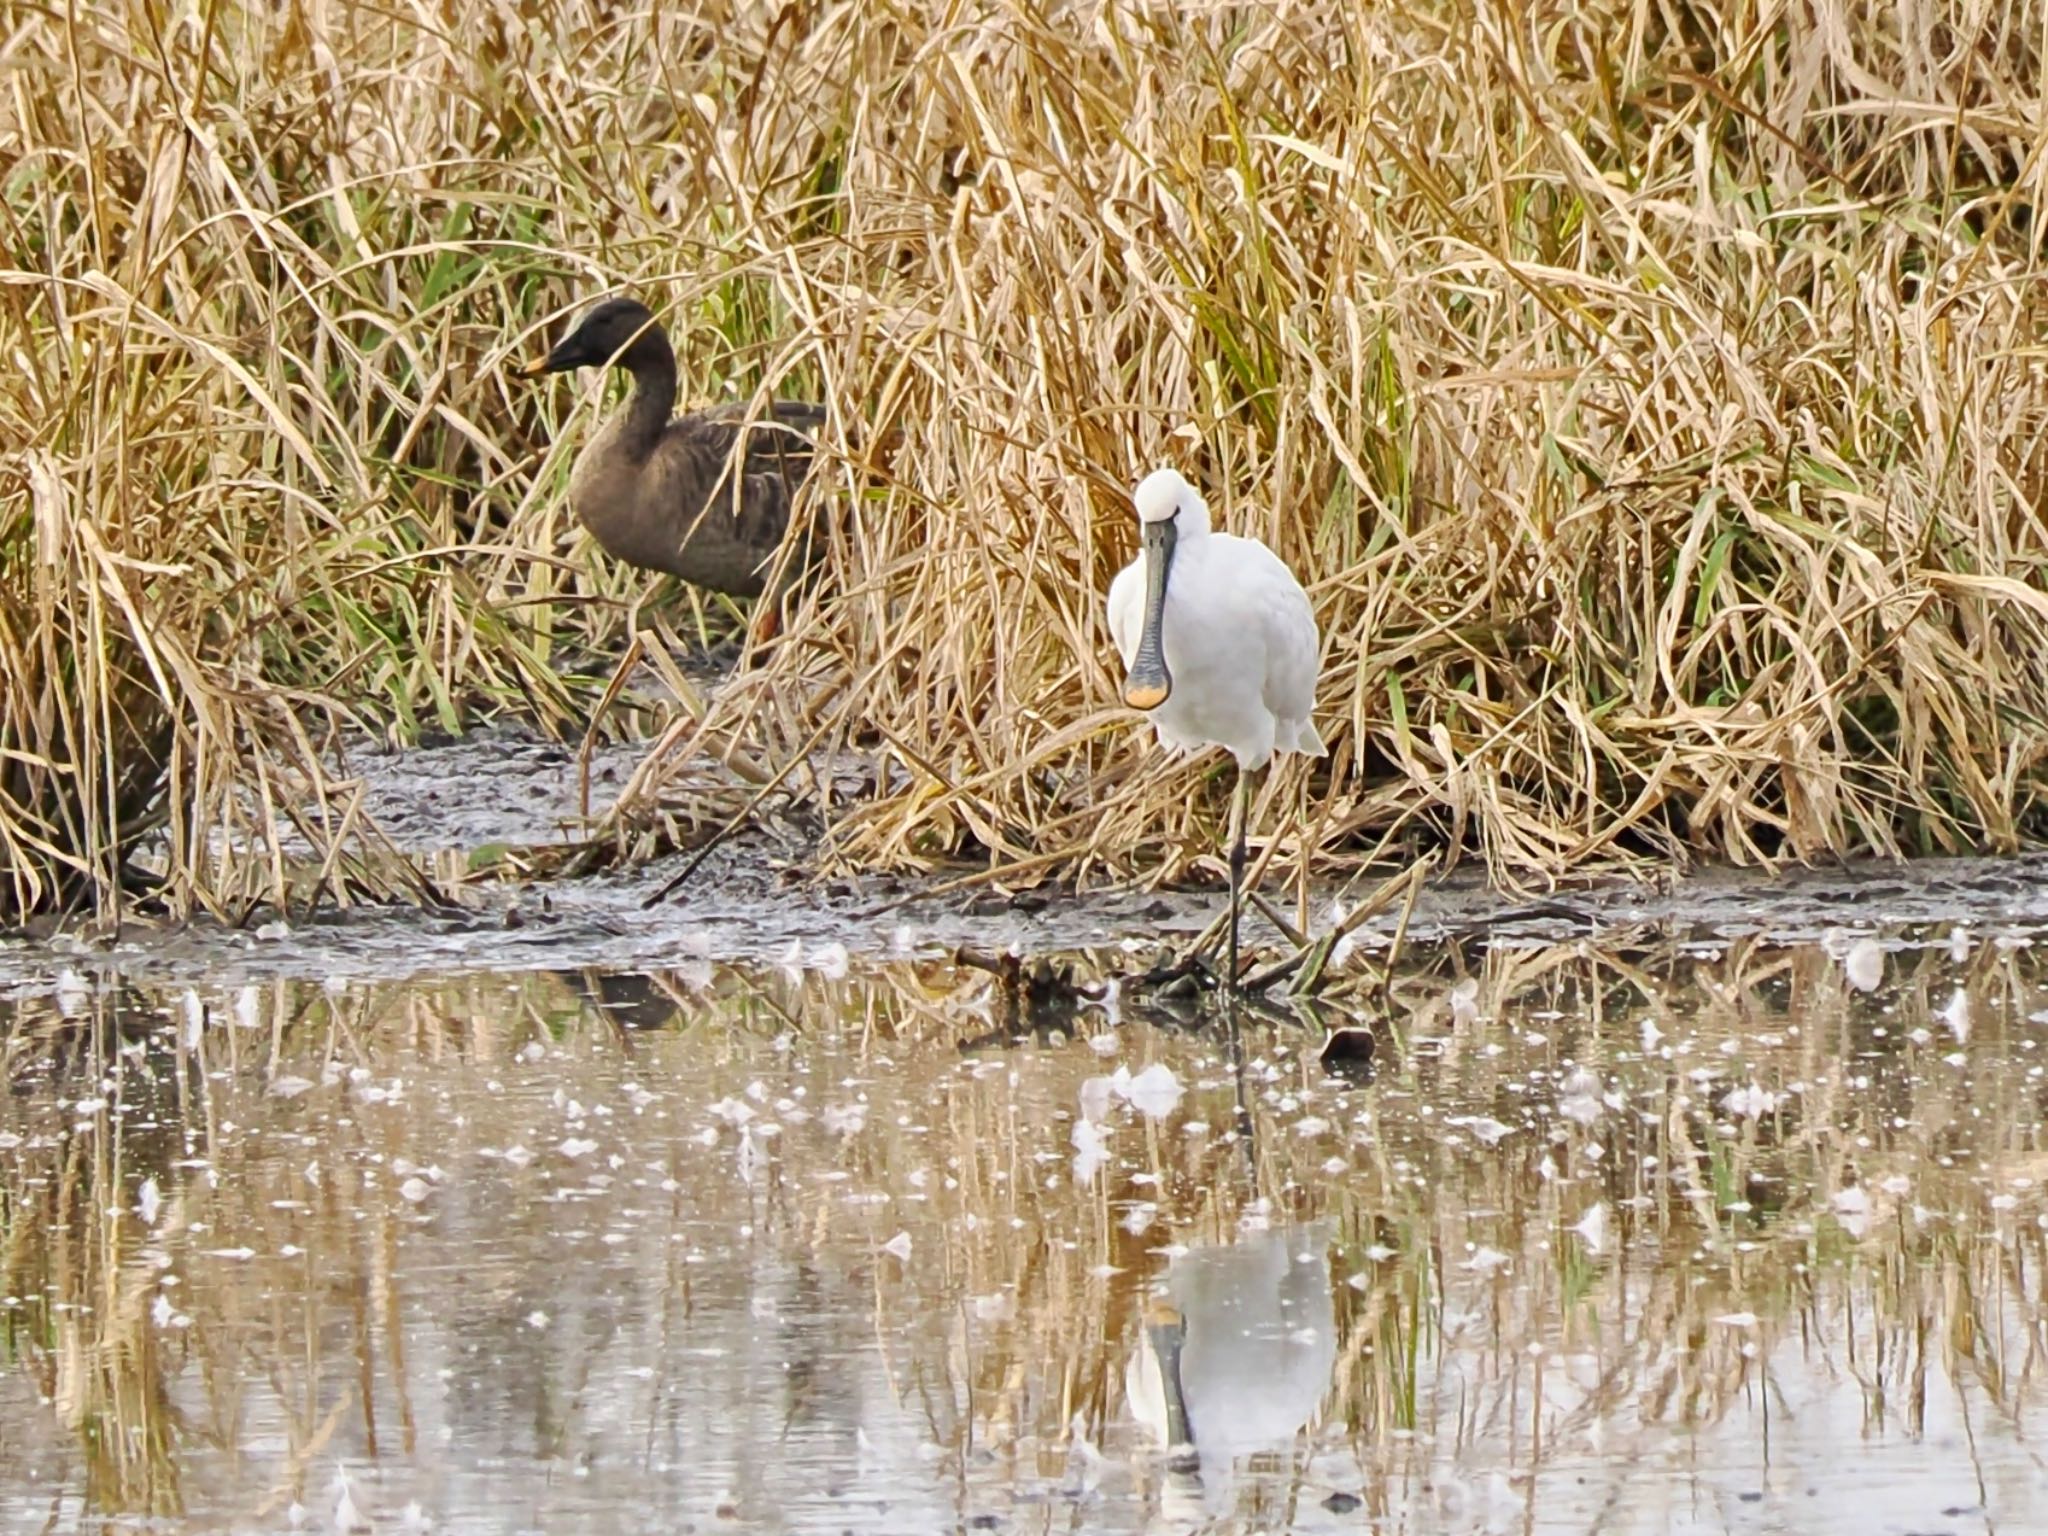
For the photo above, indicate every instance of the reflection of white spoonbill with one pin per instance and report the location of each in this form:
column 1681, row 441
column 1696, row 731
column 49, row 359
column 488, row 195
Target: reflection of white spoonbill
column 1236, row 1354
column 1219, row 645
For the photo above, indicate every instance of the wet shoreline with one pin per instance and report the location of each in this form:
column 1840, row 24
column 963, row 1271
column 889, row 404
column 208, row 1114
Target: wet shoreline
column 756, row 900
column 752, row 903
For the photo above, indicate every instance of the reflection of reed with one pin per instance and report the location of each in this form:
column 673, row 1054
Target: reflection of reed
column 78, row 1323
column 827, row 1230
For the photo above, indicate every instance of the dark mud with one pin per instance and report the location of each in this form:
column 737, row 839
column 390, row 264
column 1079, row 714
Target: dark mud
column 755, row 899
column 496, row 786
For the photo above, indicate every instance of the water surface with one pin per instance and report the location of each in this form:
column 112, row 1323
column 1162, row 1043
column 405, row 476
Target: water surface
column 1656, row 1236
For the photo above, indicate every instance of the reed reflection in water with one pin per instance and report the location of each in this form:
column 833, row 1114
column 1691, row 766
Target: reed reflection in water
column 1678, row 1238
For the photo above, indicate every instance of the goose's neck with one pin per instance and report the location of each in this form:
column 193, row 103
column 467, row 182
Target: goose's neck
column 653, row 367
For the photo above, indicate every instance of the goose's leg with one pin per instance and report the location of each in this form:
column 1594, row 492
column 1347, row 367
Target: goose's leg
column 1238, row 798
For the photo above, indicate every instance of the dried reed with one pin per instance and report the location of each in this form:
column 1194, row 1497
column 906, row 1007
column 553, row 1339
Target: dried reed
column 1650, row 392
column 1650, row 395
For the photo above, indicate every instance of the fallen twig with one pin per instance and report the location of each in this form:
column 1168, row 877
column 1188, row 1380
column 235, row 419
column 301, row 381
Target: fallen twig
column 1317, row 951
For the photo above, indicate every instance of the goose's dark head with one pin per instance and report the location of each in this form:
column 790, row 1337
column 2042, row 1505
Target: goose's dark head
column 620, row 331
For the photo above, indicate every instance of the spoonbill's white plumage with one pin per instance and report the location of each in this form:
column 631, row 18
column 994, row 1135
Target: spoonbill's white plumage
column 1219, row 645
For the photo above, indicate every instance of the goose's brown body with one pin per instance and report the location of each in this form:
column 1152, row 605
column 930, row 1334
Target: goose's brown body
column 695, row 503
column 705, row 496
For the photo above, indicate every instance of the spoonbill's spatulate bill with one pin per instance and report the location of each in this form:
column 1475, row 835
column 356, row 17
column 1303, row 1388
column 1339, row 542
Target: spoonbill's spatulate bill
column 1219, row 645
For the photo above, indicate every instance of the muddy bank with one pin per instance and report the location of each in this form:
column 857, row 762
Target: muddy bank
column 751, row 903
column 756, row 899
column 499, row 785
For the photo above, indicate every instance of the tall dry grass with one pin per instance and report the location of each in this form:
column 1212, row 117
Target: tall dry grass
column 1651, row 393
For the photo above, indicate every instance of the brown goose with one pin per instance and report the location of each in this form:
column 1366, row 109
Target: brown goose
column 657, row 492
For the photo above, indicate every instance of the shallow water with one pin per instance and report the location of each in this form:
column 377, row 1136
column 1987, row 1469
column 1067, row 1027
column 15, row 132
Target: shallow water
column 1686, row 1236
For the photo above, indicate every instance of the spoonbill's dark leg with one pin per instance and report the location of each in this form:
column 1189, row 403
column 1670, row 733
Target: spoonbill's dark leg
column 1238, row 798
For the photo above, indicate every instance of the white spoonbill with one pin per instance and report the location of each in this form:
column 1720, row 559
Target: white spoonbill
column 1219, row 646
